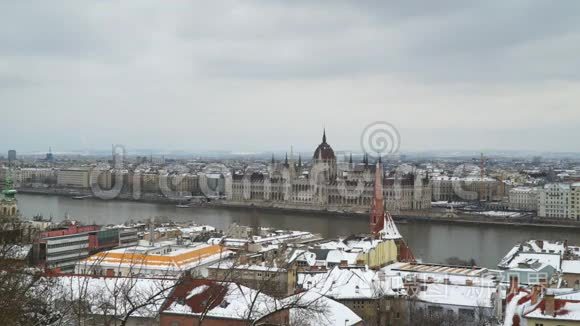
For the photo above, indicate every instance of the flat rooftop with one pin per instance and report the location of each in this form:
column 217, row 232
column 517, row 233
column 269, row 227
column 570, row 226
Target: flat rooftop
column 437, row 268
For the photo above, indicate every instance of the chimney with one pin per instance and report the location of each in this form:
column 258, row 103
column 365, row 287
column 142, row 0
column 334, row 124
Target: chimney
column 535, row 294
column 514, row 284
column 549, row 304
column 543, row 281
column 151, row 232
column 343, row 263
column 540, row 243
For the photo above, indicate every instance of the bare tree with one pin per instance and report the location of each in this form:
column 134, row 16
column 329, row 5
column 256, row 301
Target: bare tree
column 111, row 300
column 258, row 306
column 22, row 288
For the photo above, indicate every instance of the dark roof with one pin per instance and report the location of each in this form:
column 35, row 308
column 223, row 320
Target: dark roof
column 324, row 151
column 321, row 254
column 254, row 177
column 213, row 293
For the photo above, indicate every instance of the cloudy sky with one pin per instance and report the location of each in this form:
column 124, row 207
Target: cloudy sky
column 264, row 75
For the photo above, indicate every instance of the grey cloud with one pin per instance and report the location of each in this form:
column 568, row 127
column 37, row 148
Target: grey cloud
column 310, row 63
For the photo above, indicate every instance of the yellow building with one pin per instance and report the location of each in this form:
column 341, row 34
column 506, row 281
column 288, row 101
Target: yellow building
column 382, row 253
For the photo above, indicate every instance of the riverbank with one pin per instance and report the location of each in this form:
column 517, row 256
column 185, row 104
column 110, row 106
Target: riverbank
column 433, row 241
column 431, row 216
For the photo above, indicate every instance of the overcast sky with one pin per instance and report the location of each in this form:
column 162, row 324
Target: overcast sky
column 264, row 75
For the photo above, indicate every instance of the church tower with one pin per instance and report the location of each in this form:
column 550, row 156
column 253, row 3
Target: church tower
column 382, row 225
column 378, row 204
column 8, row 202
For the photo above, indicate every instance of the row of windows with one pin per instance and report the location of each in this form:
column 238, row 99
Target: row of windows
column 67, row 244
column 67, row 252
column 67, row 260
column 464, row 314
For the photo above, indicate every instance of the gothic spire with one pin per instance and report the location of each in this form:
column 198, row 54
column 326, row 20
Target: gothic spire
column 324, row 135
column 350, row 159
column 273, row 159
column 378, row 204
column 286, row 160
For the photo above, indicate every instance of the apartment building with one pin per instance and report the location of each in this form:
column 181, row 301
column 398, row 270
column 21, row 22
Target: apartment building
column 523, row 198
column 268, row 277
column 575, row 201
column 61, row 249
column 555, row 201
column 73, row 177
column 449, row 188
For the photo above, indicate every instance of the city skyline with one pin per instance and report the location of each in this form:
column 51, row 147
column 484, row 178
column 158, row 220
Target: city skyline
column 291, row 163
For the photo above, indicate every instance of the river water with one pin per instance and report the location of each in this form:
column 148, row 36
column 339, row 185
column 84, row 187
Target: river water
column 431, row 242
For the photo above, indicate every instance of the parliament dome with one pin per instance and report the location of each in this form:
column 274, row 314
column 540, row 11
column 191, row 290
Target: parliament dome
column 324, row 151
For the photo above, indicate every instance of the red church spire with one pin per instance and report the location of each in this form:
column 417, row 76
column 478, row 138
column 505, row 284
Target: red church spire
column 381, row 223
column 377, row 218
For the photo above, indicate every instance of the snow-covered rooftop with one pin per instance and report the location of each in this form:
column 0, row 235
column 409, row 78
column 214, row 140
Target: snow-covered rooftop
column 352, row 283
column 314, row 309
column 542, row 251
column 458, row 295
column 114, row 295
column 229, row 264
column 567, row 308
column 571, row 266
column 229, row 301
column 170, row 259
column 535, row 261
column 434, row 273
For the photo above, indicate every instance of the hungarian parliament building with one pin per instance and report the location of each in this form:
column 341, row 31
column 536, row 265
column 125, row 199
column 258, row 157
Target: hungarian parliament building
column 325, row 185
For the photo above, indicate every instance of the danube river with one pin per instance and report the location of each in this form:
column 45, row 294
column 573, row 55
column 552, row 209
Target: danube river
column 431, row 242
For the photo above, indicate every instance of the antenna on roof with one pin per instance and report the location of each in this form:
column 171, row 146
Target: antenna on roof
column 152, row 231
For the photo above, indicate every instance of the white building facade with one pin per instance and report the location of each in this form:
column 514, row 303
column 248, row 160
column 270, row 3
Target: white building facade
column 523, row 198
column 555, row 201
column 73, row 177
column 575, row 201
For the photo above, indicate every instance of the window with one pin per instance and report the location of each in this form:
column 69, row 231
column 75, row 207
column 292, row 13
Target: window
column 467, row 314
column 435, row 310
